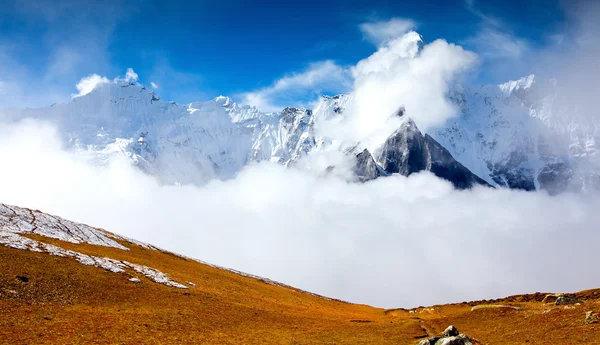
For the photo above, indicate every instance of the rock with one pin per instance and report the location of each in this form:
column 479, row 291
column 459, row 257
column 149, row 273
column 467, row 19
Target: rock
column 23, row 279
column 458, row 340
column 135, row 280
column 564, row 300
column 451, row 331
column 408, row 151
column 430, row 341
column 450, row 337
column 366, row 169
column 591, row 317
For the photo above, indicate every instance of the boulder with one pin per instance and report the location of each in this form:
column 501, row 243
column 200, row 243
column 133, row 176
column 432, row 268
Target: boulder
column 430, row 341
column 458, row 340
column 450, row 337
column 565, row 300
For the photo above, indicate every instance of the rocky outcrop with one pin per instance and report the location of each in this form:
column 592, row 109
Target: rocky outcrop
column 450, row 336
column 408, row 151
column 365, row 168
column 566, row 300
column 551, row 298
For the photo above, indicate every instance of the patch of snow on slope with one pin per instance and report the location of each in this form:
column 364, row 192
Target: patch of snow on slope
column 14, row 221
column 155, row 275
column 20, row 220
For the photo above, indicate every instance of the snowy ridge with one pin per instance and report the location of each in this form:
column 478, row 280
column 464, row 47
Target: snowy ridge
column 187, row 144
column 513, row 85
column 523, row 135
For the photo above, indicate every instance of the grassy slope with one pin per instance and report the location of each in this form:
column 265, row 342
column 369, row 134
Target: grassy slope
column 66, row 302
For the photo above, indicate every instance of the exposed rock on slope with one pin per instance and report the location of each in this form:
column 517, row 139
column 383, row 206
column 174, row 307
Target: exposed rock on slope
column 449, row 337
column 408, row 151
column 366, row 169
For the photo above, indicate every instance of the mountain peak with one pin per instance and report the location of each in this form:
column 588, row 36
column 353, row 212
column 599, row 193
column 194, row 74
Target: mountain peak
column 408, row 151
column 513, row 85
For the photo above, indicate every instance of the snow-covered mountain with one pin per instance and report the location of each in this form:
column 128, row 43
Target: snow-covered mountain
column 178, row 143
column 516, row 135
column 521, row 134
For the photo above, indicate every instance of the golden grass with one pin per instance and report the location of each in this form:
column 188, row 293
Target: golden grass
column 66, row 302
column 494, row 306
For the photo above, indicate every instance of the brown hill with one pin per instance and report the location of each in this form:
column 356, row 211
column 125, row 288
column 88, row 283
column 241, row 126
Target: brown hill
column 58, row 288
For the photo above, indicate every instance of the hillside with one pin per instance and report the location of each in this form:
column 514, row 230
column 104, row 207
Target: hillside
column 68, row 283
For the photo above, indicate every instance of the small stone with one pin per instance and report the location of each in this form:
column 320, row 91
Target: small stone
column 23, row 279
column 135, row 280
column 451, row 331
column 591, row 317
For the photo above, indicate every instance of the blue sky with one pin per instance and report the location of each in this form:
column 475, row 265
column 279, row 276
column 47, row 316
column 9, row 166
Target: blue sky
column 201, row 50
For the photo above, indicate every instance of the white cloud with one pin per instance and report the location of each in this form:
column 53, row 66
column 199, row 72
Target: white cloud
column 381, row 32
column 494, row 43
column 379, row 242
column 317, row 78
column 495, row 40
column 89, row 83
column 154, row 85
column 398, row 74
column 130, row 75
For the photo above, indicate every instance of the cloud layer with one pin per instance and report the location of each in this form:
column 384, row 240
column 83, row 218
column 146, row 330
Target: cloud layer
column 390, row 242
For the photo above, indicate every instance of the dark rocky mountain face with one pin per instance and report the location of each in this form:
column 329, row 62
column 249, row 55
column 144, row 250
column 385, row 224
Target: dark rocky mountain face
column 408, row 151
column 366, row 169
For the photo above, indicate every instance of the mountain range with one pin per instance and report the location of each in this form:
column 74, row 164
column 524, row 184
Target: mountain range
column 520, row 135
